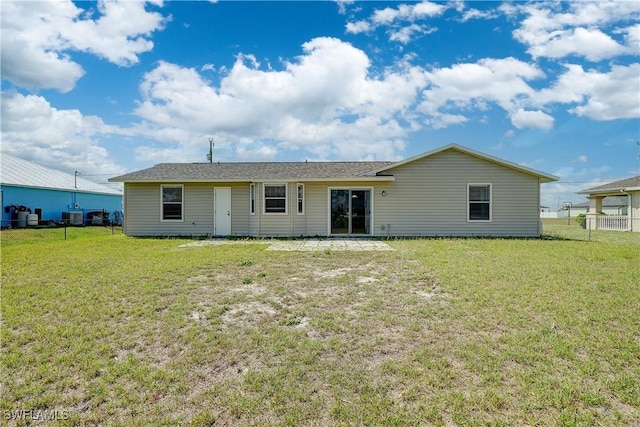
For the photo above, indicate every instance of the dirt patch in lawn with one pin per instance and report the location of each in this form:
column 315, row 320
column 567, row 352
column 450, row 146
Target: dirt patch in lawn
column 318, row 309
column 249, row 313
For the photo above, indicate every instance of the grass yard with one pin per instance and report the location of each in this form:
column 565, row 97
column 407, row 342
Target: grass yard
column 113, row 330
column 569, row 229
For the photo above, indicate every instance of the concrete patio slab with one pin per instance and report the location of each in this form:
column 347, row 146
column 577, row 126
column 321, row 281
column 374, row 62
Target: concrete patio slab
column 330, row 245
column 302, row 245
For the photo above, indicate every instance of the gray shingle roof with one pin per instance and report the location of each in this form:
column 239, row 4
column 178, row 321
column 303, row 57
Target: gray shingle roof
column 298, row 171
column 258, row 171
column 609, row 201
column 633, row 182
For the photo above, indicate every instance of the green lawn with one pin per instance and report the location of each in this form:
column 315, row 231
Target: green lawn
column 113, row 330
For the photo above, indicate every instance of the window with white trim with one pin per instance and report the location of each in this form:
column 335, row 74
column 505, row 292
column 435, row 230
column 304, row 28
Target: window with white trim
column 172, row 202
column 275, row 198
column 300, row 203
column 479, row 206
column 252, row 199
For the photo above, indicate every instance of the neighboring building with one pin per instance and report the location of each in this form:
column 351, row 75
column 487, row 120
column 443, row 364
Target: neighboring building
column 545, row 213
column 611, row 205
column 29, row 187
column 450, row 191
column 628, row 219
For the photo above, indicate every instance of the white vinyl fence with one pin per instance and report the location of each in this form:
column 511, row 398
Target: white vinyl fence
column 559, row 214
column 614, row 222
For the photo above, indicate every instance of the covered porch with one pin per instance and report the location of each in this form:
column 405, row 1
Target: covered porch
column 596, row 219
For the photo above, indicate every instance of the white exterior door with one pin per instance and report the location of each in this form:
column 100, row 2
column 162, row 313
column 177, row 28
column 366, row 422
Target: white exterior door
column 222, row 211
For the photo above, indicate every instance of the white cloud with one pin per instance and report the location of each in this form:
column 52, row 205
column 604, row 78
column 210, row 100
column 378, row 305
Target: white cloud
column 550, row 31
column 478, row 14
column 358, row 27
column 632, row 36
column 406, row 34
column 342, row 5
column 440, row 121
column 61, row 139
column 531, row 119
column 599, row 95
column 581, row 159
column 426, row 9
column 401, row 21
column 261, row 153
column 592, row 44
column 407, row 12
column 40, row 35
column 473, row 85
column 161, row 154
column 328, row 103
column 612, row 95
column 325, row 102
column 27, row 48
column 119, row 35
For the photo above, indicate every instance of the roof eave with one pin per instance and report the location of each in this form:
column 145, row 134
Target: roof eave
column 383, row 178
column 609, row 191
column 70, row 190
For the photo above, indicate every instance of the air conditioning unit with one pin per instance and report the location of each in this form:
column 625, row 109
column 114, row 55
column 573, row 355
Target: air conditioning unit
column 72, row 218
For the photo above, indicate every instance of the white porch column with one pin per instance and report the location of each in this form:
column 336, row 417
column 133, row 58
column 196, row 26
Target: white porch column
column 595, row 209
column 634, row 210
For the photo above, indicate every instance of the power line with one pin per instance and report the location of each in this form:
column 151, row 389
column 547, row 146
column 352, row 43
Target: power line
column 98, row 174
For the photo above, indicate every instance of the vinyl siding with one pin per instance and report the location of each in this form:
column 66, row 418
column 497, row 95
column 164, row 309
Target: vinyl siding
column 314, row 222
column 429, row 198
column 254, row 220
column 239, row 209
column 317, row 208
column 289, row 224
column 142, row 210
column 272, row 224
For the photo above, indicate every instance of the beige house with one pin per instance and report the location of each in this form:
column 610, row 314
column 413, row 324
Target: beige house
column 598, row 219
column 450, row 191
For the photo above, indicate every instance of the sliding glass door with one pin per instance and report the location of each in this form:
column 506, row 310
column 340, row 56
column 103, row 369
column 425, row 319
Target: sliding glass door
column 350, row 211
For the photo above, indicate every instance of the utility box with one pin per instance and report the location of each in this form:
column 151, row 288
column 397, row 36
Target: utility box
column 72, row 218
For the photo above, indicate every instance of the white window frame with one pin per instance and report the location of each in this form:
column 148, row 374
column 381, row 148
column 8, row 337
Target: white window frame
column 264, row 197
column 252, row 199
column 468, row 204
column 162, row 202
column 300, row 200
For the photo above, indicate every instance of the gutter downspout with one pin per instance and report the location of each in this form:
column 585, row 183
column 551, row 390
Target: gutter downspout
column 124, row 209
column 538, row 209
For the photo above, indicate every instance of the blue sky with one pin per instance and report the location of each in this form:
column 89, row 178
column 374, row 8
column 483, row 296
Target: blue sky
column 111, row 87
